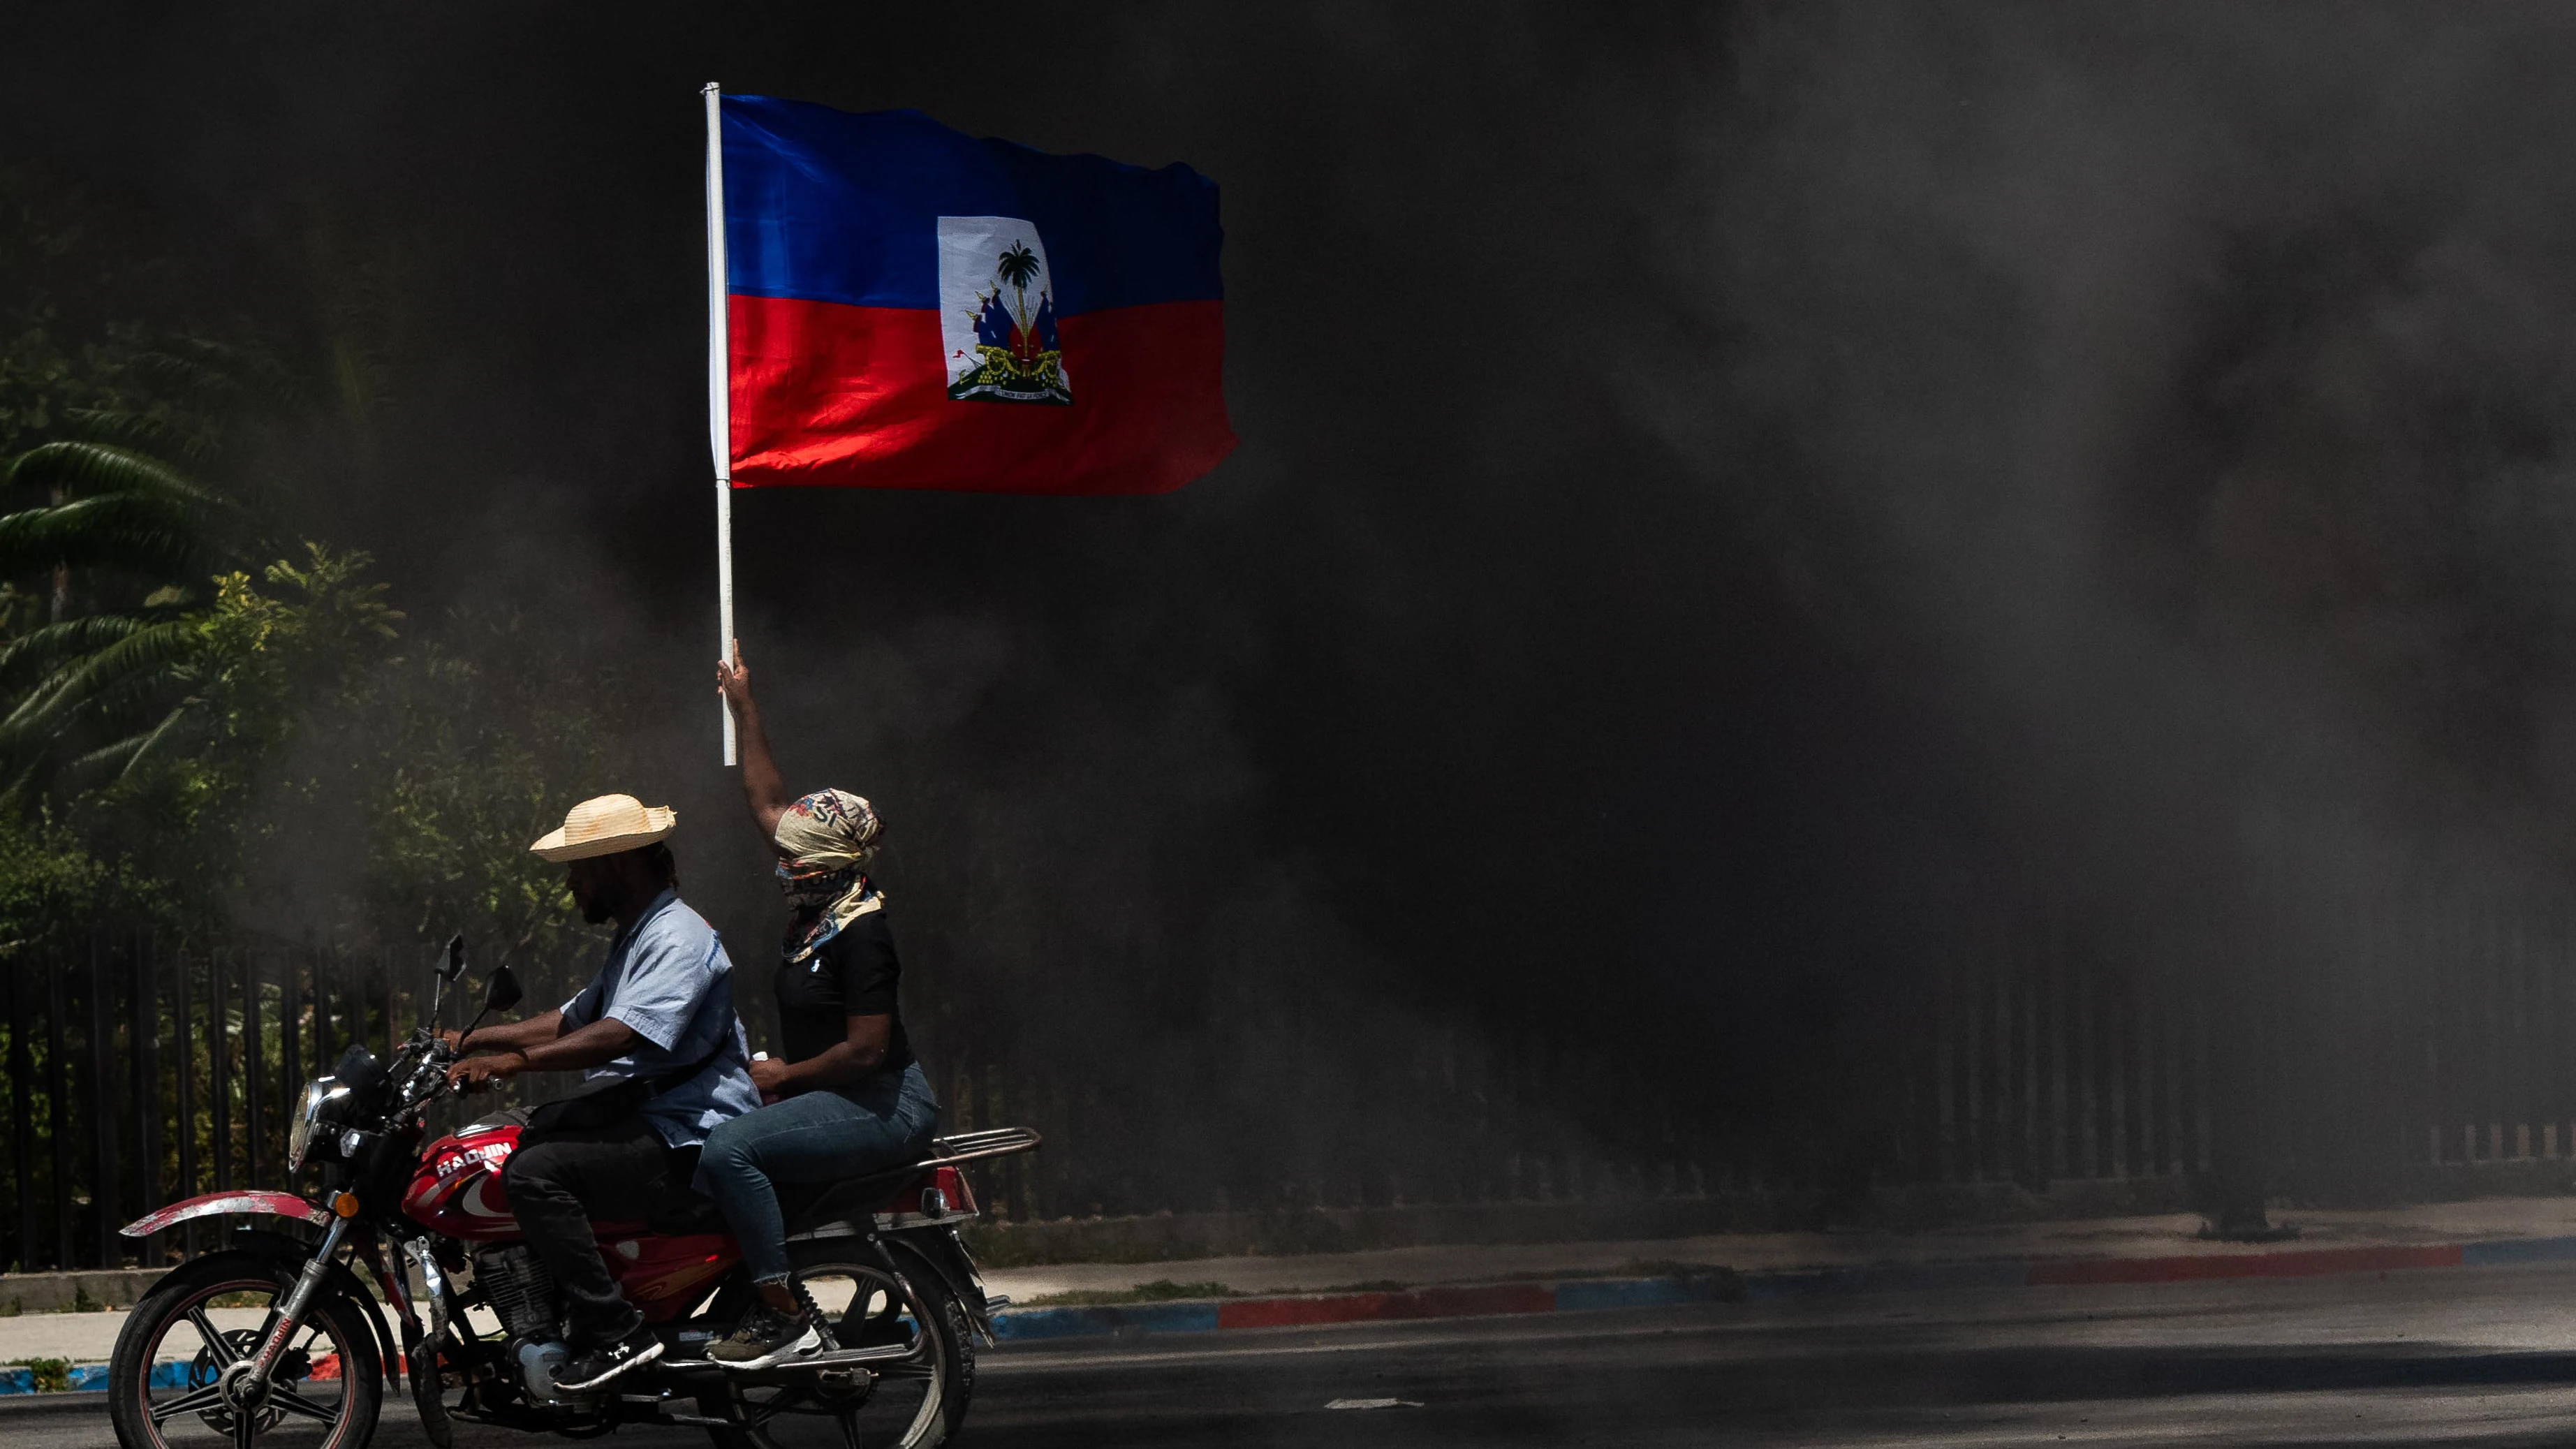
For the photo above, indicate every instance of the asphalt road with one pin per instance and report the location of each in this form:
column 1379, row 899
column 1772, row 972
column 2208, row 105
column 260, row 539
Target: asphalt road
column 2484, row 1357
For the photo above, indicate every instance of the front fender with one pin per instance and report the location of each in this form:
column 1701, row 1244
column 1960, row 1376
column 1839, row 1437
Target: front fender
column 292, row 1254
column 228, row 1204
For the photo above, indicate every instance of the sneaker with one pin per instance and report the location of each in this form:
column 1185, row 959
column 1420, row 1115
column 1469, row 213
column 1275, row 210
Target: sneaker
column 594, row 1367
column 766, row 1337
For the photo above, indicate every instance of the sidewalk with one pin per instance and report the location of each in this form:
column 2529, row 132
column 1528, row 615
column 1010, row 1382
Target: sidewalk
column 2175, row 1235
column 1545, row 1277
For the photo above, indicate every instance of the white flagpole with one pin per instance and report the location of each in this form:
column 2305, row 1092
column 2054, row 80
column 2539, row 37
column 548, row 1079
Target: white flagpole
column 719, row 395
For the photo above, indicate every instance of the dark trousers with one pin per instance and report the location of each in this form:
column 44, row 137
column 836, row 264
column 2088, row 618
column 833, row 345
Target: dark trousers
column 558, row 1180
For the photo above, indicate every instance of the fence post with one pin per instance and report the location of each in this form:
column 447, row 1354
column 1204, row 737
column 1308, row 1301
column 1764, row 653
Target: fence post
column 2034, row 1163
column 2054, row 972
column 1971, row 1014
column 147, row 1079
column 2115, row 1060
column 219, row 1077
column 290, row 1038
column 322, row 1054
column 56, row 1124
column 2169, row 1030
column 22, row 1122
column 253, row 1121
column 2088, row 1069
column 2142, row 1036
column 183, row 1036
column 1945, row 1068
column 102, row 1103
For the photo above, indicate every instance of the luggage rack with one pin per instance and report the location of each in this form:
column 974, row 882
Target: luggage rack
column 990, row 1142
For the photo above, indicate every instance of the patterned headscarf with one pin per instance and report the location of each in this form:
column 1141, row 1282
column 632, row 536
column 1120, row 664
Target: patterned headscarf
column 827, row 838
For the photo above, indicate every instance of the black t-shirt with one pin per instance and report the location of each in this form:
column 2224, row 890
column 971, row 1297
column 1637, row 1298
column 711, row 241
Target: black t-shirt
column 852, row 974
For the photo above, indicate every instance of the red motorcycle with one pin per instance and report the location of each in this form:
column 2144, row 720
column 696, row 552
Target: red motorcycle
column 278, row 1330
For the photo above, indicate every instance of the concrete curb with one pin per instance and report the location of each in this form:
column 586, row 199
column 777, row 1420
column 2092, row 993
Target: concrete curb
column 1591, row 1294
column 1587, row 1295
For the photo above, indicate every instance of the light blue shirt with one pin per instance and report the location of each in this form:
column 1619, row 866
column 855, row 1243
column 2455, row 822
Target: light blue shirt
column 668, row 977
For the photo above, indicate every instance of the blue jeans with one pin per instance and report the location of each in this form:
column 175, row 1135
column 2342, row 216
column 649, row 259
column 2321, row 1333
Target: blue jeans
column 818, row 1137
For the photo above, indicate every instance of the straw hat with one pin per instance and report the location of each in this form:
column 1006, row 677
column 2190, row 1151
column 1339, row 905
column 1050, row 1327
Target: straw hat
column 605, row 826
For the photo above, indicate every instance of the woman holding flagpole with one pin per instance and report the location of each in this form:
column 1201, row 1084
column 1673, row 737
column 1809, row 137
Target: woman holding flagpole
column 848, row 1097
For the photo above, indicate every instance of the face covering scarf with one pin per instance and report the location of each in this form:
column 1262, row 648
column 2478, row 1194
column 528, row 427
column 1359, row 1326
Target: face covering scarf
column 827, row 838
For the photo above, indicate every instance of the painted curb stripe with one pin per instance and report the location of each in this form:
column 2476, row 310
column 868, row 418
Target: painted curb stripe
column 91, row 1378
column 2309, row 1263
column 1589, row 1295
column 1593, row 1295
column 1887, row 1278
column 1366, row 1307
column 2518, row 1250
column 1040, row 1323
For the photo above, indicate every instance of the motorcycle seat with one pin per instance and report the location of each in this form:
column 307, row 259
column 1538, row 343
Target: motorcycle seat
column 811, row 1205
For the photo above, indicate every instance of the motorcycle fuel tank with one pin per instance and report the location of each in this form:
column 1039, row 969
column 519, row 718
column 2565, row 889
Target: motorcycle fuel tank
column 457, row 1191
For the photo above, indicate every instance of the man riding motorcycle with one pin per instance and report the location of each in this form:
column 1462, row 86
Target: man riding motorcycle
column 655, row 1034
column 411, row 1257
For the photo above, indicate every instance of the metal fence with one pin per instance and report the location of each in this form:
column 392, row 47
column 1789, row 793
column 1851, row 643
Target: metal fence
column 2347, row 1039
column 135, row 1077
column 2345, row 1042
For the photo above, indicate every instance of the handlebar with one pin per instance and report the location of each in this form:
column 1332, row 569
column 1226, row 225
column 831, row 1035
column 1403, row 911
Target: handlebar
column 425, row 1079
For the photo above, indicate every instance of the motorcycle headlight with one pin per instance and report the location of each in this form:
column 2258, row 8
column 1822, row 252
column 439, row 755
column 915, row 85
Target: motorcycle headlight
column 321, row 1096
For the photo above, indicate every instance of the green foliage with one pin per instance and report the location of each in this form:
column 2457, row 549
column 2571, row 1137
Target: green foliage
column 182, row 698
column 106, row 669
column 51, row 882
column 288, row 698
column 108, row 507
column 256, row 668
column 487, row 732
column 298, row 647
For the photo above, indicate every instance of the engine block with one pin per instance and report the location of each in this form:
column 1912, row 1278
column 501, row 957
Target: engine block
column 520, row 1290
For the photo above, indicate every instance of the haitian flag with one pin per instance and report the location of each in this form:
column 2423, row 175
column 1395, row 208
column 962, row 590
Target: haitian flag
column 909, row 307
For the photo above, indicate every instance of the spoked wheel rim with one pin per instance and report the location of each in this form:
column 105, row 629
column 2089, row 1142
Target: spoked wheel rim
column 895, row 1405
column 195, row 1395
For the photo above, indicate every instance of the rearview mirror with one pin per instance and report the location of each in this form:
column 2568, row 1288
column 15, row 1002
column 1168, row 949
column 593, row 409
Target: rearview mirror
column 501, row 989
column 454, row 966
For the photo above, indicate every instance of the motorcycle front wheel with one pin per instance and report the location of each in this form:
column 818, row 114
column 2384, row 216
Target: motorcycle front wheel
column 916, row 1402
column 167, row 1386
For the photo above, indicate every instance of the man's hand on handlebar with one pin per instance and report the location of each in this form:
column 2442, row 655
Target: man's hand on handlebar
column 479, row 1074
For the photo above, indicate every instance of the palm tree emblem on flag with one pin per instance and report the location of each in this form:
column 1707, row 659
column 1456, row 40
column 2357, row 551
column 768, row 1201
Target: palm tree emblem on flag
column 1009, row 352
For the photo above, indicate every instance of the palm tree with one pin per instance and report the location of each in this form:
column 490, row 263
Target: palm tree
column 91, row 691
column 1017, row 268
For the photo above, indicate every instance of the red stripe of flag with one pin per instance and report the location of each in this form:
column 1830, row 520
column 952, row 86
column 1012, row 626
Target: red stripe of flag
column 831, row 395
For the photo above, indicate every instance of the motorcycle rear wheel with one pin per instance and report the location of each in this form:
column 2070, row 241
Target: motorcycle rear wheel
column 303, row 1410
column 914, row 1404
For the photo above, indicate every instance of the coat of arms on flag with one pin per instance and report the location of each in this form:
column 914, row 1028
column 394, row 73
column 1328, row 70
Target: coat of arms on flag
column 997, row 312
column 884, row 279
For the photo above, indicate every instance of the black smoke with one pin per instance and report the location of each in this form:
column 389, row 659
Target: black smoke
column 1715, row 479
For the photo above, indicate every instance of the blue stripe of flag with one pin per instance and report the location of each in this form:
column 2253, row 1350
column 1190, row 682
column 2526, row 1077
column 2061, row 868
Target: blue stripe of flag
column 829, row 206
